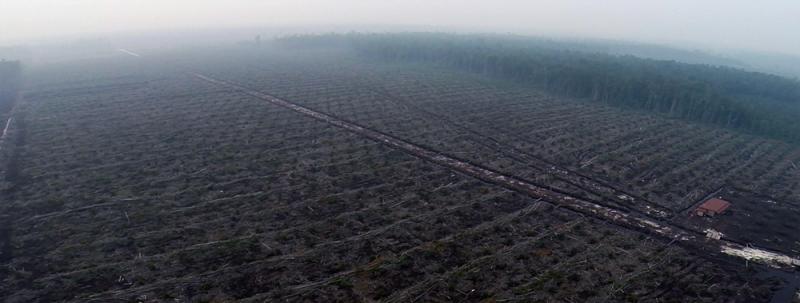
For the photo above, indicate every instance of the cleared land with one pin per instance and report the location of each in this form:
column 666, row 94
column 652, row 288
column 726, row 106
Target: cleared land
column 140, row 182
column 597, row 153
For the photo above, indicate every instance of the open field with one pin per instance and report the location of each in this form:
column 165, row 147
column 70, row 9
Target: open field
column 598, row 153
column 135, row 180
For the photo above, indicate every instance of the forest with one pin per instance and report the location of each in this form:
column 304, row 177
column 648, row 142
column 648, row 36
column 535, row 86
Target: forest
column 752, row 102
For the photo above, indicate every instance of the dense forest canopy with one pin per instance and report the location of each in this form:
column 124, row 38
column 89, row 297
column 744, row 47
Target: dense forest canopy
column 10, row 73
column 754, row 102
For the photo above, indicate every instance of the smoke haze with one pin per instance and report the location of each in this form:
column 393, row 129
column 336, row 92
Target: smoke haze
column 720, row 24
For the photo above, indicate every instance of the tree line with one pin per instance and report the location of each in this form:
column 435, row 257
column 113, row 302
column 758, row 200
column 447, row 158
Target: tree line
column 755, row 102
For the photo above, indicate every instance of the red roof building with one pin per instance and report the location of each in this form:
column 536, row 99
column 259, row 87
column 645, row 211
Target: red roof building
column 712, row 207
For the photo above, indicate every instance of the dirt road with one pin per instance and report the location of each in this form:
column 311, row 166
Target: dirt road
column 629, row 220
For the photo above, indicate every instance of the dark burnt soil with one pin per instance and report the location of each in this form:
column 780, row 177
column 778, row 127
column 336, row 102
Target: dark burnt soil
column 177, row 189
column 5, row 239
column 755, row 219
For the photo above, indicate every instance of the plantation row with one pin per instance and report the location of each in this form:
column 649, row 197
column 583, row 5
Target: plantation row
column 570, row 133
column 165, row 187
column 641, row 161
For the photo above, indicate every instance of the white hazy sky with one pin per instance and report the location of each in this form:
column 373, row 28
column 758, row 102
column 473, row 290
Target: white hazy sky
column 771, row 25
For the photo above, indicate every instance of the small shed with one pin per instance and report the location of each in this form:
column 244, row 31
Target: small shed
column 712, row 207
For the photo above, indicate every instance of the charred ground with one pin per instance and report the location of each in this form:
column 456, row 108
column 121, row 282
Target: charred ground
column 138, row 181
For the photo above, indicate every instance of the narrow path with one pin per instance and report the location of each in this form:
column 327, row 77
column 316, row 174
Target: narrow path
column 129, row 52
column 5, row 132
column 614, row 216
column 10, row 120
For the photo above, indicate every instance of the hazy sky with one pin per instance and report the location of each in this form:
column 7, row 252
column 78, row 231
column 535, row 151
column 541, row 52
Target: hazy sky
column 762, row 25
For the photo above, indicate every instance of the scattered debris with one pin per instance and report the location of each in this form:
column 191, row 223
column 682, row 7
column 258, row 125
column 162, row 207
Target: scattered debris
column 635, row 221
column 626, row 198
column 589, row 162
column 761, row 256
column 713, row 234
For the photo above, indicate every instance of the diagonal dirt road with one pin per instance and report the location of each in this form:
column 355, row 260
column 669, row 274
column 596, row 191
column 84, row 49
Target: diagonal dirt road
column 625, row 219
